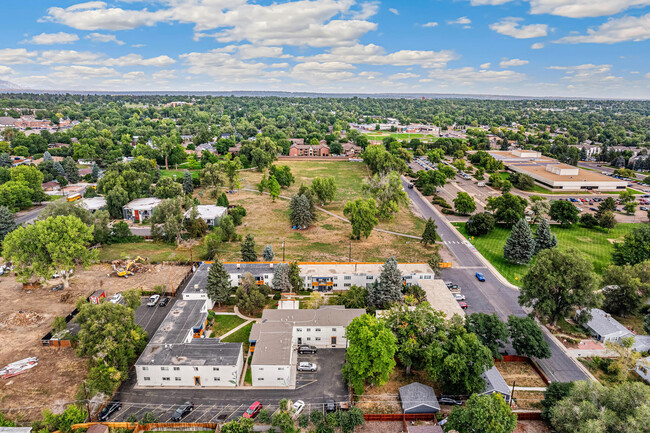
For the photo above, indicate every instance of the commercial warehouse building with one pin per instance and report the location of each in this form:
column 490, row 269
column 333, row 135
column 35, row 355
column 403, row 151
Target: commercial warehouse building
column 554, row 174
column 280, row 332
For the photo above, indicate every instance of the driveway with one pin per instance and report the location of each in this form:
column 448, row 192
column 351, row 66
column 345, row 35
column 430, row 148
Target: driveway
column 491, row 296
column 150, row 318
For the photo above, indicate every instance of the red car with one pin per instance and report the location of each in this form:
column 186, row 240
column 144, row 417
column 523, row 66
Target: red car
column 463, row 305
column 253, row 410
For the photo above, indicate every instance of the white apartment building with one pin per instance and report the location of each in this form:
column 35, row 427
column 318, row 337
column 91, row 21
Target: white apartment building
column 278, row 335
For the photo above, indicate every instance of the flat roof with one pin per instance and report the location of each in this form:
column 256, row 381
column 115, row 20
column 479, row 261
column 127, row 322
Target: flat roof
column 327, row 268
column 183, row 316
column 440, row 297
column 143, row 203
column 208, row 211
column 94, row 203
column 200, row 351
column 199, row 279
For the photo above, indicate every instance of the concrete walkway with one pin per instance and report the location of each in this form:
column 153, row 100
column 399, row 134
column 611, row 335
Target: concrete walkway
column 240, row 315
column 233, row 330
column 530, row 388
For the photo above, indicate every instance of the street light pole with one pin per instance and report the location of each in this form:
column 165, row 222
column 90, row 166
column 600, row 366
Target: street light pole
column 283, row 251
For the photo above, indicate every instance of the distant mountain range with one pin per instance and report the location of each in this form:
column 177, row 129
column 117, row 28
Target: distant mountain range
column 8, row 85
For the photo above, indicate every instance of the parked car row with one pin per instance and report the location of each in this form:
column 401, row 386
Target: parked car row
column 153, row 301
column 457, row 295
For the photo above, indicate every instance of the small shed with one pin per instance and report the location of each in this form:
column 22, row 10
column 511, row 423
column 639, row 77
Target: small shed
column 97, row 428
column 494, row 382
column 418, row 398
column 97, row 296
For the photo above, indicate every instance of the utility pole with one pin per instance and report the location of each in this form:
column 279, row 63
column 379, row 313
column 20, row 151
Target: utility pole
column 87, row 402
column 350, row 252
column 171, row 281
column 283, row 251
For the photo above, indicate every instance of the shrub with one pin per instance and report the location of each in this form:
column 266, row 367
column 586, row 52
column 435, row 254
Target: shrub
column 264, row 417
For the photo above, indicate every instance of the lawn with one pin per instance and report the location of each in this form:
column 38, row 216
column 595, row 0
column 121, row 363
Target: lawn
column 178, row 173
column 240, row 336
column 595, row 244
column 225, row 322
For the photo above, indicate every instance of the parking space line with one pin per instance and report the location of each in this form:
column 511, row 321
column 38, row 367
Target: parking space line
column 308, row 383
column 219, row 413
column 233, row 412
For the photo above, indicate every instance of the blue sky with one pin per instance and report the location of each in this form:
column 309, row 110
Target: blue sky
column 598, row 48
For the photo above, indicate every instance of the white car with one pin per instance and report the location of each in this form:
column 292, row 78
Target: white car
column 153, row 300
column 459, row 297
column 116, row 298
column 298, row 406
column 307, row 366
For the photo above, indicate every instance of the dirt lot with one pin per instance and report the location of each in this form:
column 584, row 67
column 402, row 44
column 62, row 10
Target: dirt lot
column 26, row 316
column 385, row 399
column 532, row 427
column 520, row 372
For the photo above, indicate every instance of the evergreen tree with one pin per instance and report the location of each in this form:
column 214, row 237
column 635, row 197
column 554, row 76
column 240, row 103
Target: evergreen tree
column 299, row 211
column 71, row 170
column 7, row 222
column 430, row 234
column 47, row 156
column 218, row 285
column 294, row 276
column 389, row 287
column 188, row 185
column 223, row 200
column 5, row 160
column 281, row 280
column 544, row 238
column 248, row 249
column 95, row 172
column 58, row 169
column 267, row 254
column 520, row 245
column 274, row 188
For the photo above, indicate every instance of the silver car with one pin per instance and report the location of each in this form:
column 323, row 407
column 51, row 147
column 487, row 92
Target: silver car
column 307, row 366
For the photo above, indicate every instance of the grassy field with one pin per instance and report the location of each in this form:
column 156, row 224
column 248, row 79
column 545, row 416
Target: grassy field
column 178, row 173
column 595, row 244
column 240, row 336
column 225, row 322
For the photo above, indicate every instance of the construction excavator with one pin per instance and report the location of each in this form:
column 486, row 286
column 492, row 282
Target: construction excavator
column 122, row 269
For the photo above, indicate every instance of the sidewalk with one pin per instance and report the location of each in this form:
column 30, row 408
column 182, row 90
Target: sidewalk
column 233, row 330
column 240, row 315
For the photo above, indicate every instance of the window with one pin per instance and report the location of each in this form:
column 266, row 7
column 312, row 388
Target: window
column 176, row 368
column 278, row 379
column 317, row 338
column 261, row 368
column 298, row 329
column 145, row 368
column 177, row 379
column 147, row 378
column 317, row 329
column 333, row 329
column 260, row 378
column 427, row 277
column 196, row 368
column 280, row 368
column 217, row 379
column 346, row 285
column 347, row 277
column 166, row 379
column 215, row 368
column 336, row 285
column 164, row 368
column 308, row 338
column 308, row 329
column 369, row 277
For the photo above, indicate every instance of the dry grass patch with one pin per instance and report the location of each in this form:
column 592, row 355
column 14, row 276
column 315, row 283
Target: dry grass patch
column 529, row 400
column 385, row 398
column 520, row 372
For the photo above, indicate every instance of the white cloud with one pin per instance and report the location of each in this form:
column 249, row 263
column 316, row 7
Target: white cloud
column 468, row 75
column 248, row 51
column 6, row 70
column 589, row 74
column 138, row 60
column 320, row 73
column 430, row 24
column 537, row 46
column 573, row 8
column 68, row 56
column 510, row 27
column 225, row 67
column 95, row 15
column 52, row 38
column 486, row 65
column 134, row 75
column 164, row 75
column 461, row 20
column 15, row 56
column 372, row 54
column 101, row 37
column 403, row 76
column 617, row 30
column 368, row 9
column 73, row 72
column 507, row 63
column 393, row 11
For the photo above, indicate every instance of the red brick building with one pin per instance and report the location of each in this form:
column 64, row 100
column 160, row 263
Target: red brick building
column 321, row 149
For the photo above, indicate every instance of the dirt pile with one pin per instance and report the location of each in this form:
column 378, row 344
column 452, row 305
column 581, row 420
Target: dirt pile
column 23, row 318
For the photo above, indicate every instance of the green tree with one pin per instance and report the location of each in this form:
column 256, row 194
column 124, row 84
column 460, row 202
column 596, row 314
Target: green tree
column 324, row 189
column 520, row 245
column 223, row 200
column 132, row 298
column 274, row 188
column 116, row 199
column 429, row 235
column 527, row 338
column 544, row 238
column 300, row 211
column 482, row 413
column 212, row 242
column 624, row 291
column 388, row 193
column 635, row 247
column 194, row 224
column 167, row 220
column 564, row 212
column 231, row 170
column 6, row 422
column 167, row 188
column 267, row 253
column 16, row 195
column 282, row 174
column 508, row 208
column 609, row 204
column 464, row 203
column 480, row 224
column 56, row 244
column 63, row 422
column 370, row 356
column 354, row 297
column 7, row 222
column 248, row 296
column 71, row 170
column 94, row 173
column 490, row 330
column 607, row 220
column 218, row 283
column 101, row 227
column 540, row 208
column 241, row 425
column 248, row 253
column 362, row 215
column 388, row 289
column 435, row 260
column 555, row 391
column 66, row 208
column 281, row 280
column 557, row 283
column 227, row 229
column 294, row 276
column 188, row 184
column 588, row 220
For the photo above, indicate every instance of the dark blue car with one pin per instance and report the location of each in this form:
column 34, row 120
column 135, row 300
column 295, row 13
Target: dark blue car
column 480, row 276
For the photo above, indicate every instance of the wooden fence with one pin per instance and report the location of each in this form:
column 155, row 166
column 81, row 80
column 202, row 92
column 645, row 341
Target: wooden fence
column 529, row 416
column 137, row 427
column 399, row 417
column 533, row 364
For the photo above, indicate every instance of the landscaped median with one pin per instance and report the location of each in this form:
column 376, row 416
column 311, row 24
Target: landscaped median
column 595, row 244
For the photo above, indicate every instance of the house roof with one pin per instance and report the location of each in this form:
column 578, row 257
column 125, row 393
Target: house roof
column 641, row 343
column 94, row 203
column 417, row 394
column 494, row 382
column 143, row 203
column 208, row 211
column 6, row 121
column 308, row 146
column 605, row 325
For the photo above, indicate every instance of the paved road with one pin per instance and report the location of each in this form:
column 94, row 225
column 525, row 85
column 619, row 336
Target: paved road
column 595, row 166
column 29, row 215
column 491, row 296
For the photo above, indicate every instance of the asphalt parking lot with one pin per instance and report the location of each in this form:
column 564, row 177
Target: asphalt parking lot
column 150, row 318
column 212, row 405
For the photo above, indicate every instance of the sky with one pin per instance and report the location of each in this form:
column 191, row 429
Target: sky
column 565, row 48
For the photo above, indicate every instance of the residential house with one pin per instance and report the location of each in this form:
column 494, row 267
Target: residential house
column 321, row 149
column 94, row 204
column 642, row 368
column 351, row 149
column 209, row 213
column 495, row 383
column 140, row 208
column 605, row 328
column 418, row 398
column 51, row 186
